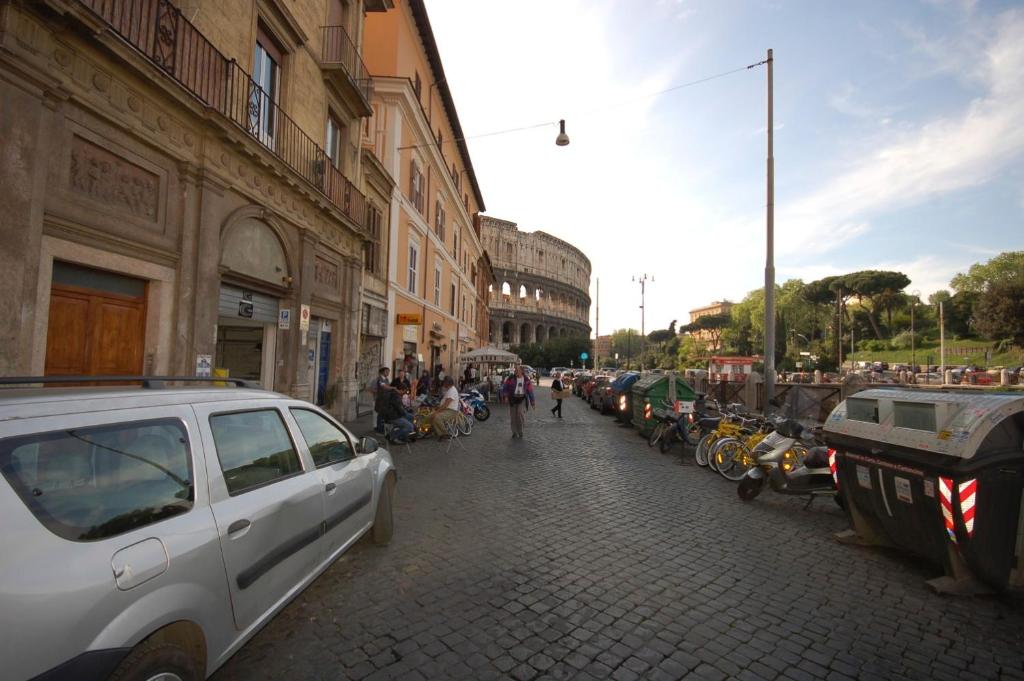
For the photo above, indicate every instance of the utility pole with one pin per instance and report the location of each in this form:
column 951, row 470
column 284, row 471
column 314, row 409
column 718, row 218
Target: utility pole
column 597, row 326
column 643, row 333
column 942, row 345
column 769, row 267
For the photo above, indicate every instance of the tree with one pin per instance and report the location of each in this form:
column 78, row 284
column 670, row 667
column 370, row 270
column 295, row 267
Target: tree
column 713, row 324
column 1005, row 268
column 625, row 342
column 999, row 311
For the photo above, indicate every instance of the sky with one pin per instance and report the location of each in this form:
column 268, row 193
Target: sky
column 898, row 136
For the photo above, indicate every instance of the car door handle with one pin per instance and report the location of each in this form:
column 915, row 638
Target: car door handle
column 331, row 487
column 238, row 526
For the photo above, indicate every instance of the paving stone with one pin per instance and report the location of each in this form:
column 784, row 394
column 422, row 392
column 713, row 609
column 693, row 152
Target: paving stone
column 580, row 552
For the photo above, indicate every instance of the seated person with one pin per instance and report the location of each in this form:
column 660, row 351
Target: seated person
column 389, row 406
column 447, row 410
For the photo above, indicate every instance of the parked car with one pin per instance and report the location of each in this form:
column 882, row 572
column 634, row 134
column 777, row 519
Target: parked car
column 622, row 395
column 601, row 394
column 578, row 381
column 150, row 532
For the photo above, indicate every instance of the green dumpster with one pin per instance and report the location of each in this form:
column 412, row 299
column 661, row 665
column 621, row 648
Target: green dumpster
column 651, row 394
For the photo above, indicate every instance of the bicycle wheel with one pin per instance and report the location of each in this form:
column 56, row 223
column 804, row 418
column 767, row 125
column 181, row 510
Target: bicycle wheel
column 732, row 460
column 691, row 433
column 712, row 452
column 465, row 424
column 700, row 454
column 657, row 432
column 667, row 440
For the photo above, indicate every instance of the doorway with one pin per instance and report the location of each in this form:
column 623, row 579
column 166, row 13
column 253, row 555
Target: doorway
column 97, row 323
column 247, row 351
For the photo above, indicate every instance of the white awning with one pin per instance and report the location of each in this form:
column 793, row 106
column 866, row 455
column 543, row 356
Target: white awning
column 489, row 356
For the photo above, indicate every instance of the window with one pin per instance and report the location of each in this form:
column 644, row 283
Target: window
column 914, row 415
column 414, row 255
column 463, row 307
column 437, row 284
column 92, row 483
column 455, row 243
column 371, row 248
column 417, row 85
column 416, row 182
column 439, row 219
column 334, row 135
column 860, row 409
column 254, row 449
column 327, row 443
column 265, row 89
column 451, row 307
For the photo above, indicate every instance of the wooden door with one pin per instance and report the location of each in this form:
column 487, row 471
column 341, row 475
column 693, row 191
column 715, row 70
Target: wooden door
column 94, row 333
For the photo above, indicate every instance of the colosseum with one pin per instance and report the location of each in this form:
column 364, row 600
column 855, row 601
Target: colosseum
column 542, row 289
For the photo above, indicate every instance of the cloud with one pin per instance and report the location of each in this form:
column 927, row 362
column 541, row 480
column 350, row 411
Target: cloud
column 849, row 100
column 908, row 166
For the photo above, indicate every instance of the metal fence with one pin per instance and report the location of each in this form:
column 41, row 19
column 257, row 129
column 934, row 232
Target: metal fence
column 158, row 30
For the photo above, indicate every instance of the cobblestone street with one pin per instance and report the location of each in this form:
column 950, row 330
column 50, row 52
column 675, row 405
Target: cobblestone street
column 579, row 552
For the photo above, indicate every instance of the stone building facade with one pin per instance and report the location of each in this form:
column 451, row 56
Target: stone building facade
column 183, row 190
column 438, row 270
column 542, row 285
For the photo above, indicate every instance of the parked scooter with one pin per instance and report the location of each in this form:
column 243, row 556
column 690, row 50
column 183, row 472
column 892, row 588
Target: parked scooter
column 481, row 412
column 790, row 467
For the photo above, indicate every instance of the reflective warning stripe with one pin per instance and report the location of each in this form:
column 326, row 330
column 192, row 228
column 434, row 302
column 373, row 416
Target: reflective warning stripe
column 968, row 498
column 832, row 466
column 946, row 499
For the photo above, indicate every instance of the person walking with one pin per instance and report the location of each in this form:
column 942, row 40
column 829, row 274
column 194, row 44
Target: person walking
column 556, row 388
column 519, row 391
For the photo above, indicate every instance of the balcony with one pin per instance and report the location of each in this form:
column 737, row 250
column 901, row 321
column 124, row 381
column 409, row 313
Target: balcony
column 161, row 33
column 344, row 67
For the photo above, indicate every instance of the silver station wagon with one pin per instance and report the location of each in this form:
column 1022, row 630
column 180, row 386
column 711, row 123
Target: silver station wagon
column 149, row 532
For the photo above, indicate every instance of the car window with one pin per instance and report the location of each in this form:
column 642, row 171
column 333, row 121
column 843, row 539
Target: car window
column 254, row 449
column 326, row 442
column 92, row 483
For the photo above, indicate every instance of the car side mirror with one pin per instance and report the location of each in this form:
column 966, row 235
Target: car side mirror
column 368, row 445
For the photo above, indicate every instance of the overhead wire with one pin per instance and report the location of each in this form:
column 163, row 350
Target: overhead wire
column 595, row 110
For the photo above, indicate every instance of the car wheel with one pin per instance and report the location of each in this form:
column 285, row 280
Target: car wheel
column 383, row 521
column 154, row 660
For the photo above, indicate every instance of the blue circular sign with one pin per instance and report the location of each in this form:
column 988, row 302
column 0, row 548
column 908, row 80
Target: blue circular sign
column 584, row 355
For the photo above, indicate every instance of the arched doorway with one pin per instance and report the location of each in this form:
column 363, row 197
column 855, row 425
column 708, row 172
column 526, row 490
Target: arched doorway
column 247, row 320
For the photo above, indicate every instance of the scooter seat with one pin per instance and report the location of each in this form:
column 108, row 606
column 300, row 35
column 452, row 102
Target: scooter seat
column 817, row 457
column 710, row 422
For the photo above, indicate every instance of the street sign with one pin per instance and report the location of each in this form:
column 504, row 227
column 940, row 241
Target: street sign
column 584, row 356
column 304, row 318
column 284, row 319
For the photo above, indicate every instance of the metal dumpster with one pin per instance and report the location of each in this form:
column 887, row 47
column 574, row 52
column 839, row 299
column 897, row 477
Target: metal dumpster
column 622, row 397
column 939, row 474
column 651, row 393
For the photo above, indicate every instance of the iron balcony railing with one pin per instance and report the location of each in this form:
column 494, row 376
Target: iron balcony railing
column 158, row 30
column 338, row 48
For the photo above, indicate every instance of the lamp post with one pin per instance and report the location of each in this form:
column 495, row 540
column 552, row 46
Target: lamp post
column 642, row 279
column 769, row 267
column 913, row 357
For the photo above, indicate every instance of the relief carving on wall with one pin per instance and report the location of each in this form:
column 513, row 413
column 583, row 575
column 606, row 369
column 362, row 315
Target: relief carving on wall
column 325, row 273
column 113, row 181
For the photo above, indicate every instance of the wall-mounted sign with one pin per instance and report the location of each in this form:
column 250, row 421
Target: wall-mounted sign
column 245, row 309
column 412, row 318
column 304, row 318
column 284, row 319
column 204, row 366
column 409, row 333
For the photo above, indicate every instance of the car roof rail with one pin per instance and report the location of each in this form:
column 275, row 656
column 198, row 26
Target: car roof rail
column 149, row 382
